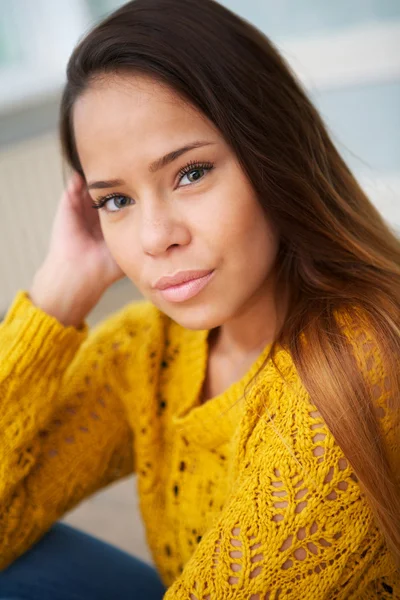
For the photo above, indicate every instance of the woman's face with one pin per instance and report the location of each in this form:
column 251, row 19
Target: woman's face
column 195, row 211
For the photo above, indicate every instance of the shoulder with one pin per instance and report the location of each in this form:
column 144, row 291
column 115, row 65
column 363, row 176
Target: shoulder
column 374, row 359
column 127, row 335
column 134, row 322
column 356, row 326
column 128, row 345
column 287, row 405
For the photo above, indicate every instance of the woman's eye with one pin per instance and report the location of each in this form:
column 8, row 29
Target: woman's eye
column 118, row 202
column 194, row 175
column 112, row 203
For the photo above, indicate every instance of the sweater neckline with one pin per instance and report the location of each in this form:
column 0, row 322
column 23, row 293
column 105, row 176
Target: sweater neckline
column 213, row 422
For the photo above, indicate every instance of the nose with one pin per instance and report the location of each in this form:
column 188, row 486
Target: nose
column 160, row 229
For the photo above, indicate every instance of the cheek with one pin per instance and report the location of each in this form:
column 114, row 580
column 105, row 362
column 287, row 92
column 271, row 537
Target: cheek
column 113, row 239
column 245, row 228
column 120, row 242
column 261, row 236
column 253, row 248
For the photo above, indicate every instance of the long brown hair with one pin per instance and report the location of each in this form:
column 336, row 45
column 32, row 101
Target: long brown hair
column 337, row 255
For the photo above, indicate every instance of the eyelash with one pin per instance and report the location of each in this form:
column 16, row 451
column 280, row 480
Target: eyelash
column 191, row 166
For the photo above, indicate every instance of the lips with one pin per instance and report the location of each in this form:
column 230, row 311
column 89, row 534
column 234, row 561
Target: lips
column 191, row 284
column 179, row 278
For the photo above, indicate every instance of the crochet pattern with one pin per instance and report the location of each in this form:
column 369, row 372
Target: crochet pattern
column 238, row 501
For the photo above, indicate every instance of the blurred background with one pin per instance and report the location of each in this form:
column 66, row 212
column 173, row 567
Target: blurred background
column 346, row 52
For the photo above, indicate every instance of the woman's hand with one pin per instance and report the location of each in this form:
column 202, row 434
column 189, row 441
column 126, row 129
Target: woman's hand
column 78, row 267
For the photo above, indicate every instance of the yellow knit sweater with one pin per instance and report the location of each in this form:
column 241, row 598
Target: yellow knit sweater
column 237, row 502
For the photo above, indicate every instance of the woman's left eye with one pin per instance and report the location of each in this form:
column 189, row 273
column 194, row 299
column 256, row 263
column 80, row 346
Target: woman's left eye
column 194, row 172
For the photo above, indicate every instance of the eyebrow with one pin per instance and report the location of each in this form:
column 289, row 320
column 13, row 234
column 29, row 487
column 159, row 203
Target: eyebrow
column 154, row 166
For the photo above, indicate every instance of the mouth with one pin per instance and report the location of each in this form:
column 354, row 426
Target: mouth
column 179, row 292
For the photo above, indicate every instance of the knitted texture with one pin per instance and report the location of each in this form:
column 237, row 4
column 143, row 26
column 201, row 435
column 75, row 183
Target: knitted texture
column 238, row 502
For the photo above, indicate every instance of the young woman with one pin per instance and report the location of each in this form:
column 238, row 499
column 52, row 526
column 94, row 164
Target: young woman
column 255, row 391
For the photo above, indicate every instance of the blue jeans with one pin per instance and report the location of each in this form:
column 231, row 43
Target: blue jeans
column 67, row 564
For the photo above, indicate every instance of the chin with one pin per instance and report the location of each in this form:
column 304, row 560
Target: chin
column 198, row 316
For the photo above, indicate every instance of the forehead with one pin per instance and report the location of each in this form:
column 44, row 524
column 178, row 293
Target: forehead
column 120, row 110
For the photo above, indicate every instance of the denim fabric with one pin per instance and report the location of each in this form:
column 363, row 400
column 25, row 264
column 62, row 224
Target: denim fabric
column 67, row 564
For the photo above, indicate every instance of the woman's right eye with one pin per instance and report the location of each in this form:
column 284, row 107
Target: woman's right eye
column 110, row 199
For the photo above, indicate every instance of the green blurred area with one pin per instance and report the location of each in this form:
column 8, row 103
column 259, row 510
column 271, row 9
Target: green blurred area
column 100, row 8
column 10, row 47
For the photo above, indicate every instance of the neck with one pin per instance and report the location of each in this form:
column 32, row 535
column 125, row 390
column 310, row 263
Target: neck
column 250, row 330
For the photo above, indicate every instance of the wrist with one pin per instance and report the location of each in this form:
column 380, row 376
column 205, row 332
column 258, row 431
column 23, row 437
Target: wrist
column 58, row 292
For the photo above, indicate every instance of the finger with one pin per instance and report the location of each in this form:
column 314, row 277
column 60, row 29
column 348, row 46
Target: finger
column 74, row 190
column 73, row 183
column 91, row 216
column 71, row 211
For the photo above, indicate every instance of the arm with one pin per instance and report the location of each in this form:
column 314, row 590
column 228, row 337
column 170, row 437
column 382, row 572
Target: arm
column 64, row 433
column 279, row 536
column 296, row 523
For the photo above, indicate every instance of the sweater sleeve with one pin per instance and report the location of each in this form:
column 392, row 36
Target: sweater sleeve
column 64, row 432
column 296, row 523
